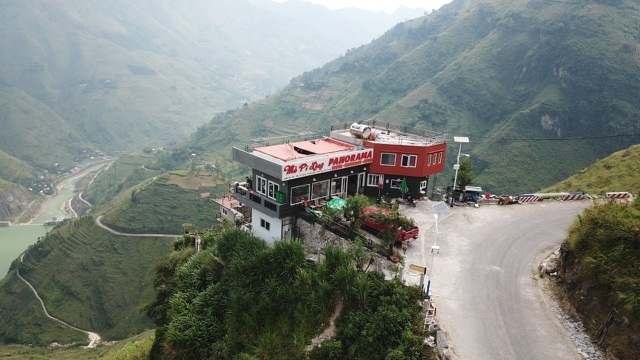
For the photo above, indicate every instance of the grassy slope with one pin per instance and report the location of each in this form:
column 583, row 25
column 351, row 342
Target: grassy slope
column 87, row 277
column 163, row 204
column 597, row 270
column 36, row 134
column 617, row 172
column 128, row 170
column 135, row 347
column 600, row 272
column 15, row 170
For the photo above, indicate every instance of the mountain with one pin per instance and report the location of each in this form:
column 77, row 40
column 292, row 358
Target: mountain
column 541, row 88
column 80, row 77
column 128, row 72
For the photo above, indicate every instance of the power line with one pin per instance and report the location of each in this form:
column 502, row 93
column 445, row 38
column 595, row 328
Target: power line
column 559, row 139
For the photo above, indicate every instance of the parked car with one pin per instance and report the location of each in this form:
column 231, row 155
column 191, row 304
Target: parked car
column 404, row 230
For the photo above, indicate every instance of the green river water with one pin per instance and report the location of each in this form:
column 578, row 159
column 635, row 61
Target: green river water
column 16, row 239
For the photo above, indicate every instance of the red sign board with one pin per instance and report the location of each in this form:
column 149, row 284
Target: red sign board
column 332, row 162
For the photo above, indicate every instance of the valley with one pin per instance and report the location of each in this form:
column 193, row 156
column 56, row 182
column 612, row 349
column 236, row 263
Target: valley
column 544, row 91
column 16, row 238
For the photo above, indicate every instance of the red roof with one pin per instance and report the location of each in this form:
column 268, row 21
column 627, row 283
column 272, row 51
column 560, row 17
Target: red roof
column 301, row 149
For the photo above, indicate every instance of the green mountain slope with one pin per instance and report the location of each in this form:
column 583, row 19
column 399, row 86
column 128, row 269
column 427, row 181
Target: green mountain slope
column 542, row 88
column 87, row 277
column 131, row 72
column 78, row 78
column 617, row 172
column 601, row 278
column 36, row 134
column 163, row 204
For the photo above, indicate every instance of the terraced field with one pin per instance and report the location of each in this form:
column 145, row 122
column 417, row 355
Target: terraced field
column 93, row 279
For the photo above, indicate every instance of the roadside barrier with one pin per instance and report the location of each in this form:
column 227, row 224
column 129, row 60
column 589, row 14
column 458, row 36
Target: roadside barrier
column 618, row 195
column 573, row 196
column 525, row 198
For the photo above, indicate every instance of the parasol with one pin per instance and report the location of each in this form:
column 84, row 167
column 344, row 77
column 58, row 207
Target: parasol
column 337, row 204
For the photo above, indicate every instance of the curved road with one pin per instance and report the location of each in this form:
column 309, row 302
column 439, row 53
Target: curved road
column 484, row 282
column 99, row 223
column 94, row 338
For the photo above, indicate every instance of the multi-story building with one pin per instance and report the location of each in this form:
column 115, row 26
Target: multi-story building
column 356, row 159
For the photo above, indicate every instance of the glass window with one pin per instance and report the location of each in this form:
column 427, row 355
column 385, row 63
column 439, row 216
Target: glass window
column 336, row 186
column 261, row 185
column 388, row 159
column 320, row 189
column 395, row 183
column 439, row 157
column 429, row 159
column 265, row 224
column 409, row 160
column 299, row 193
column 273, row 189
column 374, row 179
column 423, row 184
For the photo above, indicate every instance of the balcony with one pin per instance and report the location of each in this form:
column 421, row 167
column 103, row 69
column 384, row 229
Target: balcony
column 255, row 200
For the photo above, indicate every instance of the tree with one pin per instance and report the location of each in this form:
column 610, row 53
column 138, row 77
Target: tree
column 465, row 173
column 353, row 210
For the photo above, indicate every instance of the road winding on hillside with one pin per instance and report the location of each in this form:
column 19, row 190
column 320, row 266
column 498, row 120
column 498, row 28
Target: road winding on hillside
column 94, row 338
column 105, row 227
column 485, row 286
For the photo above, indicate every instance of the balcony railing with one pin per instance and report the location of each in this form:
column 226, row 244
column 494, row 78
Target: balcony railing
column 243, row 190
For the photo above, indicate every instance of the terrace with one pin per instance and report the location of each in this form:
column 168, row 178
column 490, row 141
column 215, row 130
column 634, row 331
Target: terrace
column 385, row 134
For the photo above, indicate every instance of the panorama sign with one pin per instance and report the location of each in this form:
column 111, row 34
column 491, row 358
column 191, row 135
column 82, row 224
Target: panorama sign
column 305, row 167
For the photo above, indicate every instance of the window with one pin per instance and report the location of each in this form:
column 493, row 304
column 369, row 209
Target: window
column 395, row 183
column 374, row 179
column 409, row 160
column 261, row 185
column 299, row 193
column 439, row 157
column 225, row 211
column 336, row 186
column 388, row 159
column 423, row 184
column 273, row 189
column 320, row 189
column 265, row 224
column 429, row 159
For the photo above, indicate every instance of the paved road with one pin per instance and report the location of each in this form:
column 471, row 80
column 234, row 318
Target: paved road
column 484, row 283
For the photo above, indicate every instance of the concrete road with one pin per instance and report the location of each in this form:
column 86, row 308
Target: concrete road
column 485, row 277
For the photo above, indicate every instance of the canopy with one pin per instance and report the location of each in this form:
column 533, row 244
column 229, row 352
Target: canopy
column 337, row 204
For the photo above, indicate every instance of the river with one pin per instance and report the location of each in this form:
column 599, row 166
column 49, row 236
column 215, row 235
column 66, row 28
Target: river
column 16, row 239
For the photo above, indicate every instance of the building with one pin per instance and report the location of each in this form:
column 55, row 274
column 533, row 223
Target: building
column 353, row 159
column 231, row 210
column 399, row 155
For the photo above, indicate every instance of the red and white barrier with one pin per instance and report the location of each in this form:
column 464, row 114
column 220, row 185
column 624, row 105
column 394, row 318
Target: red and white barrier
column 618, row 195
column 527, row 198
column 574, row 196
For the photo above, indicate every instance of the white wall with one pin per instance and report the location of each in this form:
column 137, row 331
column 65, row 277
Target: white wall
column 275, row 226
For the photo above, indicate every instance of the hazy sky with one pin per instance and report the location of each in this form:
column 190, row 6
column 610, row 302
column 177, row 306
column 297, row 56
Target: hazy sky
column 388, row 6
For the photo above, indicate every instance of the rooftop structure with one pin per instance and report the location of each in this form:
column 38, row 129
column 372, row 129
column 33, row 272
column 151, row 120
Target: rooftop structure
column 359, row 134
column 301, row 149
